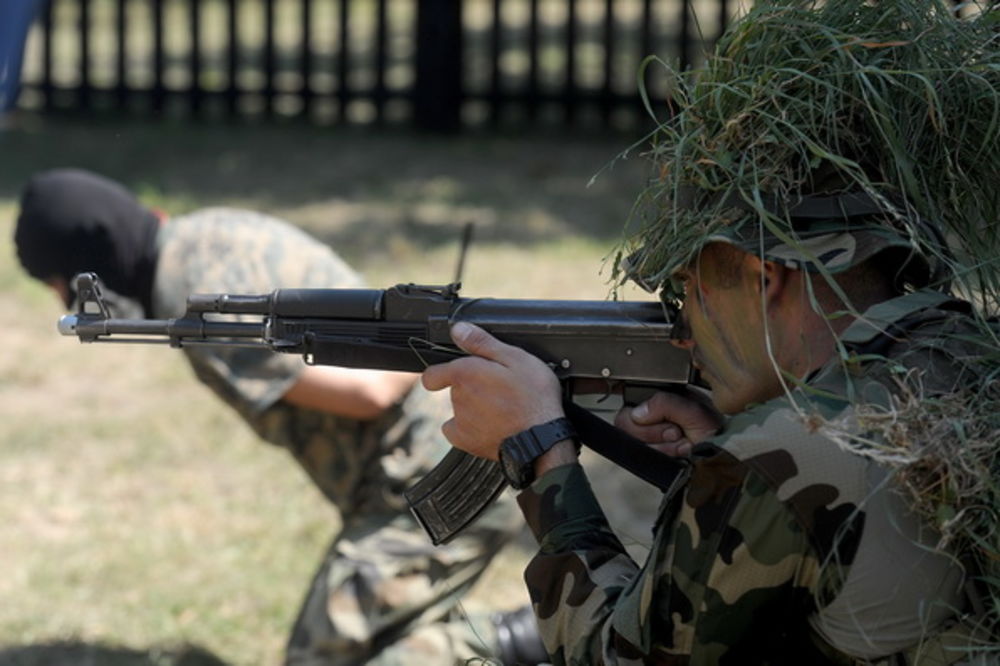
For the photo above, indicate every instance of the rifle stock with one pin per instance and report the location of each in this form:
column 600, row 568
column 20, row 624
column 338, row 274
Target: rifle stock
column 407, row 328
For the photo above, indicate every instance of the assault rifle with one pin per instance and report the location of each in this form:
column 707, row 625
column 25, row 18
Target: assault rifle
column 406, row 328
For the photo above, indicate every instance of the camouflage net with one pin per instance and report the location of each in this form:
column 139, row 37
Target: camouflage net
column 947, row 466
column 899, row 99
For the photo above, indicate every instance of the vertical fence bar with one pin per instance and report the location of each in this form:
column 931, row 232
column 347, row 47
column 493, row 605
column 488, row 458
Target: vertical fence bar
column 159, row 91
column 381, row 58
column 47, row 40
column 83, row 87
column 646, row 43
column 194, row 25
column 232, row 59
column 269, row 55
column 121, row 45
column 343, row 61
column 570, row 90
column 533, row 57
column 608, row 91
column 437, row 99
column 496, row 36
column 305, row 59
column 684, row 37
column 723, row 17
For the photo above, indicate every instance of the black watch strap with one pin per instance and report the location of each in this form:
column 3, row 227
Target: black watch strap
column 519, row 452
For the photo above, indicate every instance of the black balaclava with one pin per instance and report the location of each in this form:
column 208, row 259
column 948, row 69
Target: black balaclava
column 73, row 221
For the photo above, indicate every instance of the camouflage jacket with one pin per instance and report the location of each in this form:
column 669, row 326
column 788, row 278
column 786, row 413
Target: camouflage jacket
column 362, row 467
column 779, row 546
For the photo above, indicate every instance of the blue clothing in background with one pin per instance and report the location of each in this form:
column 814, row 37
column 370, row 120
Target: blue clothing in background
column 15, row 21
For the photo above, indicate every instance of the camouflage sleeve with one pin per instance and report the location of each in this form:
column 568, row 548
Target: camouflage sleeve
column 725, row 551
column 238, row 251
column 580, row 569
column 250, row 379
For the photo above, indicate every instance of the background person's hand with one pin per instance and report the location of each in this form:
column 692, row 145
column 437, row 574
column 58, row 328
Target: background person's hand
column 496, row 392
column 670, row 422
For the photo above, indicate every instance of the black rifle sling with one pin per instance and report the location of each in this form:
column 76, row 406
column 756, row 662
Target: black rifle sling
column 624, row 450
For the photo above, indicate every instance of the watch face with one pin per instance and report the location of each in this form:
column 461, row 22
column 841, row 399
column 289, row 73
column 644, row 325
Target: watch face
column 514, row 471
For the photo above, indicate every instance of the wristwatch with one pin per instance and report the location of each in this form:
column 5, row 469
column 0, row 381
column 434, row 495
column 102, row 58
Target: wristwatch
column 519, row 452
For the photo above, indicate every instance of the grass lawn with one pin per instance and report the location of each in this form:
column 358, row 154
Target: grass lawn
column 140, row 521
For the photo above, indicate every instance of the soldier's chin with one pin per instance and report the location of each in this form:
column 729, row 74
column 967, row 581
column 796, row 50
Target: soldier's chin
column 704, row 378
column 725, row 401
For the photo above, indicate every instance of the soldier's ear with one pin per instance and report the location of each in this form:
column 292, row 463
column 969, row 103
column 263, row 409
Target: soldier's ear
column 773, row 280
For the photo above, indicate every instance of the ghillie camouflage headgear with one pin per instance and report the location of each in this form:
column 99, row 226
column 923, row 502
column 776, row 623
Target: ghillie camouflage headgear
column 846, row 127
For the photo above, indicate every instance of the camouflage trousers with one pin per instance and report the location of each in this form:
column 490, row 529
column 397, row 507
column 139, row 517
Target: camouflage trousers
column 385, row 596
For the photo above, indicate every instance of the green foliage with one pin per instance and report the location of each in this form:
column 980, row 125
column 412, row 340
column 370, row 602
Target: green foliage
column 897, row 99
column 947, row 466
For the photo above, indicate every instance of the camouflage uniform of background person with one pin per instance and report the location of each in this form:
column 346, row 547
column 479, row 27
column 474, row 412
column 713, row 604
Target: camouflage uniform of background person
column 383, row 594
column 818, row 521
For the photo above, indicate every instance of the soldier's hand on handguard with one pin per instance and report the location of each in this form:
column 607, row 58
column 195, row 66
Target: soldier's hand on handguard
column 496, row 392
column 670, row 422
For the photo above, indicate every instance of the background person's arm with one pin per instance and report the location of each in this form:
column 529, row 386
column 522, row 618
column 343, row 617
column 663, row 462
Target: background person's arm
column 351, row 392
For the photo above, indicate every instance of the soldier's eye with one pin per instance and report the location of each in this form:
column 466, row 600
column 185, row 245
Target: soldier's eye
column 678, row 284
column 672, row 303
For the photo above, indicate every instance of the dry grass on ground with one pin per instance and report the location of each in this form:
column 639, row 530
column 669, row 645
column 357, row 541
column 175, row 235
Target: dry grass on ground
column 141, row 522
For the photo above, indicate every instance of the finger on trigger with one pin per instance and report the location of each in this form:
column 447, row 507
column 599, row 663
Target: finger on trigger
column 436, row 377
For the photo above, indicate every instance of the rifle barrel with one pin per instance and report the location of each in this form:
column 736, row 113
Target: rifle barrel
column 89, row 328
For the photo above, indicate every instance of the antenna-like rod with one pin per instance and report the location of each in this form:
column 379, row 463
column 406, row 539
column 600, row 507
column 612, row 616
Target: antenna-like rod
column 466, row 241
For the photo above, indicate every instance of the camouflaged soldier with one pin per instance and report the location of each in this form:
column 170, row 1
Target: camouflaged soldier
column 778, row 545
column 383, row 594
column 814, row 291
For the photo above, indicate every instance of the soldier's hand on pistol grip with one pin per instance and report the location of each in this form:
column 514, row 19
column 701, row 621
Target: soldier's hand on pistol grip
column 670, row 422
column 496, row 392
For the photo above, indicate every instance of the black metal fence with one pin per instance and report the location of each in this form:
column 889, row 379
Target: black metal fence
column 434, row 63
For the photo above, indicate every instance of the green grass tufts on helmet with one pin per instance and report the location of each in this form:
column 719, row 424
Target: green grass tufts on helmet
column 893, row 103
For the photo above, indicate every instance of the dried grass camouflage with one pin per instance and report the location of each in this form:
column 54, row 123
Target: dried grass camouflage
column 897, row 100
